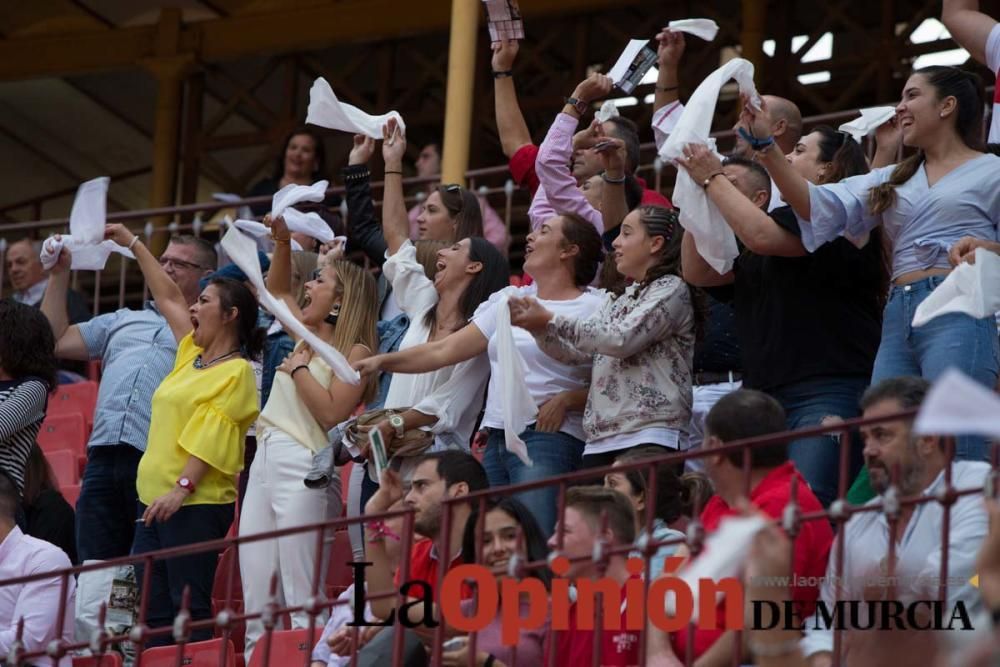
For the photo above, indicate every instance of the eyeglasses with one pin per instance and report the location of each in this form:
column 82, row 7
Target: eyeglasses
column 180, row 264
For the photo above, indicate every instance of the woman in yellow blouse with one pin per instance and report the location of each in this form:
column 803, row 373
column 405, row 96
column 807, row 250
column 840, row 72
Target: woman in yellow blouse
column 200, row 415
column 306, row 401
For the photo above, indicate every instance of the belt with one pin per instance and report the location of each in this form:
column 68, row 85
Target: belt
column 716, row 377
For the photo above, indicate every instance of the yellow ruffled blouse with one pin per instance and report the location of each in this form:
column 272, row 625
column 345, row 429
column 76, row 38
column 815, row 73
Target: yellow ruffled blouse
column 200, row 412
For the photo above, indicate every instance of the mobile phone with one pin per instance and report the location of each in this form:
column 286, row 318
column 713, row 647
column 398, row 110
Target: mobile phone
column 454, row 644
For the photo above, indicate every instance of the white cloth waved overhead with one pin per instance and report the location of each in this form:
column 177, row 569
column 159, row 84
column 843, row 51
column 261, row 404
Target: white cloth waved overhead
column 242, row 249
column 698, row 214
column 707, row 29
column 326, row 110
column 293, row 194
column 870, row 119
column 259, row 230
column 607, row 111
column 85, row 240
column 972, row 289
column 519, row 410
column 310, row 224
column 958, row 405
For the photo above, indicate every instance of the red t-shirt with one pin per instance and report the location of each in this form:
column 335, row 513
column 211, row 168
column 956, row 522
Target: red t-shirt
column 619, row 648
column 522, row 167
column 424, row 567
column 812, row 544
column 653, row 198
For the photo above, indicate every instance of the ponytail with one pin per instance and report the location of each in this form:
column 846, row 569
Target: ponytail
column 882, row 197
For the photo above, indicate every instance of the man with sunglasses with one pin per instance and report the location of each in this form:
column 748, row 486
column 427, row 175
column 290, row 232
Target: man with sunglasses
column 136, row 348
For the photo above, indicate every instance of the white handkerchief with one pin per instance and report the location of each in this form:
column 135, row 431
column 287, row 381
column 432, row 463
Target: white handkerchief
column 698, row 214
column 518, row 408
column 972, row 289
column 85, row 240
column 958, row 405
column 293, row 194
column 724, row 556
column 255, row 229
column 607, row 111
column 242, row 250
column 637, row 58
column 870, row 119
column 310, row 224
column 707, row 29
column 326, row 110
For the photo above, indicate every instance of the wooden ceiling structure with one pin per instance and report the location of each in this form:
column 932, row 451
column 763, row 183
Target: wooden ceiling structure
column 223, row 81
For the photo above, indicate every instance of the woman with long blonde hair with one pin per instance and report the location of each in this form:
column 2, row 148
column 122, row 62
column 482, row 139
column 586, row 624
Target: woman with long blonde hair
column 306, row 400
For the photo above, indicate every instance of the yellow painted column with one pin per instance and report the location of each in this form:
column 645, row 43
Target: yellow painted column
column 752, row 36
column 461, row 87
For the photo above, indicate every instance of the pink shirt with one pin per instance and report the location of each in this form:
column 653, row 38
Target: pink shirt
column 557, row 190
column 37, row 601
column 494, row 229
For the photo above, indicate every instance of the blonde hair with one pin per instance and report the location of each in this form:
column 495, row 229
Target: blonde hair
column 358, row 314
column 303, row 265
column 427, row 255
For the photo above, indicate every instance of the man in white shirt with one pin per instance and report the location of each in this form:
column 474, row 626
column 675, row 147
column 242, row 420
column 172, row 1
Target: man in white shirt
column 37, row 602
column 919, row 463
column 29, row 280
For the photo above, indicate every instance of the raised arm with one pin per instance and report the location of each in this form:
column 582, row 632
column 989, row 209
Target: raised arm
column 749, row 222
column 511, row 127
column 395, row 222
column 167, row 295
column 669, row 50
column 968, row 26
column 279, row 276
column 614, row 207
column 459, row 346
column 696, row 270
column 794, row 188
column 365, row 230
column 69, row 342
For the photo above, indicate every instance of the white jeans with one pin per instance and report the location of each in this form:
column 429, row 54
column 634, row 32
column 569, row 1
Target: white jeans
column 277, row 498
column 703, row 398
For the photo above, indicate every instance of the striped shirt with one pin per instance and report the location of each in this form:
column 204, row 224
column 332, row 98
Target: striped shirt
column 22, row 409
column 137, row 350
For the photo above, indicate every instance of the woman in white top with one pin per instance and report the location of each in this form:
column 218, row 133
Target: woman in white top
column 306, row 400
column 562, row 256
column 445, row 401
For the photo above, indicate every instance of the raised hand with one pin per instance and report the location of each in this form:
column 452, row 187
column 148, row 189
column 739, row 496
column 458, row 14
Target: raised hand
column 670, row 48
column 120, row 234
column 612, row 154
column 594, row 87
column 758, row 123
column 361, row 152
column 393, row 145
column 504, row 54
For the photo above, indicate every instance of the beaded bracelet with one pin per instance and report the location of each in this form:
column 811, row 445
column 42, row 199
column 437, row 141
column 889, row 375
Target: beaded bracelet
column 380, row 530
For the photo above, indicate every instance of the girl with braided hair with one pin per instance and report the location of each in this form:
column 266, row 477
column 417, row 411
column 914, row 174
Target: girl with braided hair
column 641, row 342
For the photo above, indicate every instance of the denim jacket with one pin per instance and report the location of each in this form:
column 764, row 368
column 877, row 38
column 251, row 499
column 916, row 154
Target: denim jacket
column 390, row 334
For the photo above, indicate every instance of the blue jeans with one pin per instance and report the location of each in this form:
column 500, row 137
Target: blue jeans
column 105, row 511
column 552, row 454
column 191, row 524
column 952, row 340
column 806, row 403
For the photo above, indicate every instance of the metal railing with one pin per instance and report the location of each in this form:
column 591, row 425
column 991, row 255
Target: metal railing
column 225, row 621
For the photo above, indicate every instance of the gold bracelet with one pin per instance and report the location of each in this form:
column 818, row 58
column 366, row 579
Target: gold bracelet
column 287, row 241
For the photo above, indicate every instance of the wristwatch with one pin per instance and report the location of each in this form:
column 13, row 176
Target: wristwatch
column 580, row 105
column 396, row 421
column 186, row 484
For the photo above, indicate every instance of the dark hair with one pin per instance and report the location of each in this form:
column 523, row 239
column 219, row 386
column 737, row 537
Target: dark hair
column 967, row 89
column 463, row 206
column 577, row 231
column 845, row 155
column 494, row 276
column 993, row 148
column 27, row 344
column 535, row 548
column 908, row 390
column 759, row 177
column 38, row 476
column 626, row 130
column 592, row 501
column 9, row 497
column 319, row 162
column 633, row 192
column 747, row 413
column 675, row 496
column 234, row 294
column 454, row 466
column 204, row 251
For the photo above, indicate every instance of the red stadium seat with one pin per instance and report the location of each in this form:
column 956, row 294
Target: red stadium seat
column 227, row 562
column 198, row 654
column 63, row 431
column 110, row 659
column 64, row 466
column 339, row 575
column 287, row 647
column 71, row 492
column 80, row 397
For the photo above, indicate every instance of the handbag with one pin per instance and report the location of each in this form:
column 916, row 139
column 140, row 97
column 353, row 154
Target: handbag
column 413, row 443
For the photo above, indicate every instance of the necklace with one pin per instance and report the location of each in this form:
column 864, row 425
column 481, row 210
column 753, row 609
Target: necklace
column 199, row 364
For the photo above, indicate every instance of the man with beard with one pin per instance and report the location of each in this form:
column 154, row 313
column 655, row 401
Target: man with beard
column 438, row 476
column 902, row 465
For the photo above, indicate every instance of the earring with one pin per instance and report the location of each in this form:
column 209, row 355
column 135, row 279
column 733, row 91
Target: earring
column 331, row 319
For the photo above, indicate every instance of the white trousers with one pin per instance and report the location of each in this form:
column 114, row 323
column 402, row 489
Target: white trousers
column 277, row 498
